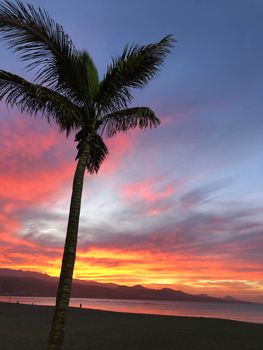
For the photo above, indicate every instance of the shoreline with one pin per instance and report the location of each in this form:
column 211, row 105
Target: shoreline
column 251, row 313
column 130, row 313
column 26, row 327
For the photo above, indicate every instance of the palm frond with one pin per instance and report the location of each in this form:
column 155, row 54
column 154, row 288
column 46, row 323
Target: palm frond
column 126, row 119
column 91, row 74
column 37, row 38
column 34, row 99
column 133, row 69
column 97, row 149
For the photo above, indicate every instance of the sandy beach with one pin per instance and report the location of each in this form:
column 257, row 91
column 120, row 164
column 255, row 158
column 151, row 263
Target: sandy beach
column 25, row 327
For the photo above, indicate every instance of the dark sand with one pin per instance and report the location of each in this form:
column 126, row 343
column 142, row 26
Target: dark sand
column 25, row 327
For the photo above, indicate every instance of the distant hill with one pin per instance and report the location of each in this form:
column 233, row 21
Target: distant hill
column 27, row 283
column 45, row 277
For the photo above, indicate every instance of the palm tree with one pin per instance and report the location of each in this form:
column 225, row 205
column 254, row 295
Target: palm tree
column 66, row 90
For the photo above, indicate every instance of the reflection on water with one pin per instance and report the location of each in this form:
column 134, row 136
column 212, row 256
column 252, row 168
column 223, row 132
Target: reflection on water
column 241, row 312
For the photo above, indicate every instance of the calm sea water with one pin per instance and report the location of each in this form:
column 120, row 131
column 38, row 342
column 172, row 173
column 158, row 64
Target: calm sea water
column 241, row 312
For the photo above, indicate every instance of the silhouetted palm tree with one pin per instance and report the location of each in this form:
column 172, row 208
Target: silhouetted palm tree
column 66, row 89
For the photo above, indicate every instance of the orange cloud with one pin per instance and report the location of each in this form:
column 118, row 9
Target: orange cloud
column 209, row 274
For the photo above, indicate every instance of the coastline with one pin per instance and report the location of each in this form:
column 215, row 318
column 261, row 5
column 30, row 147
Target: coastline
column 231, row 311
column 26, row 327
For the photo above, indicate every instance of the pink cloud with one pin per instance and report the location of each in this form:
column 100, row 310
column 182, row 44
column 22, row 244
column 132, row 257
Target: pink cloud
column 26, row 137
column 148, row 197
column 120, row 148
column 148, row 191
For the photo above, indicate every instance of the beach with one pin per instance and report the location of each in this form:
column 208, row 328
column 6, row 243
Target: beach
column 26, row 327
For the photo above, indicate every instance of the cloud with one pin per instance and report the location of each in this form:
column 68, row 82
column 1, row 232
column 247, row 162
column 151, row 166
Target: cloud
column 147, row 191
column 121, row 146
column 192, row 247
column 200, row 245
column 202, row 195
column 149, row 197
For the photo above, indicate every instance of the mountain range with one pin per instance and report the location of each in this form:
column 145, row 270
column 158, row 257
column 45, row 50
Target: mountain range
column 27, row 283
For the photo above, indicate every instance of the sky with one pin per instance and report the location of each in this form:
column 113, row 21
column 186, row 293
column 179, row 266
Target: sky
column 178, row 206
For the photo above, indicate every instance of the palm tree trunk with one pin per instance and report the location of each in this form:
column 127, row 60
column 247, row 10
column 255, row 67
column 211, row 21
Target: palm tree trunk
column 56, row 336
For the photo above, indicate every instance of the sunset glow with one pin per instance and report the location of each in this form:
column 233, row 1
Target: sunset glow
column 180, row 206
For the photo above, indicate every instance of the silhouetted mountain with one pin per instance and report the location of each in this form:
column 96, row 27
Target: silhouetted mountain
column 20, row 273
column 44, row 277
column 229, row 298
column 27, row 283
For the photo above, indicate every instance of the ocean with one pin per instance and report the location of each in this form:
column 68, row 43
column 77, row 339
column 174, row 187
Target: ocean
column 231, row 311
